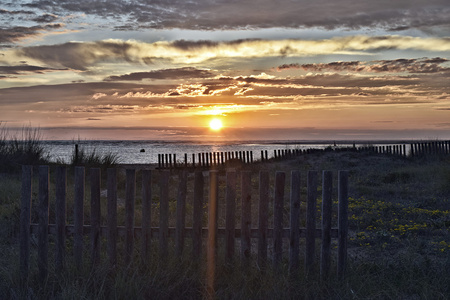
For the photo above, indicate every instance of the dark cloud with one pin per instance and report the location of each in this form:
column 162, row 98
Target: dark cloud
column 186, row 72
column 25, row 69
column 423, row 65
column 46, row 18
column 15, row 12
column 76, row 55
column 204, row 14
column 14, row 34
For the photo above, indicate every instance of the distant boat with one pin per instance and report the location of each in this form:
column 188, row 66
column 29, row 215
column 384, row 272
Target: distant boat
column 142, row 150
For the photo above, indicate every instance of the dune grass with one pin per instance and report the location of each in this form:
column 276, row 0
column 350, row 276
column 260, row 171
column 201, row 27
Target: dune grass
column 399, row 245
column 23, row 147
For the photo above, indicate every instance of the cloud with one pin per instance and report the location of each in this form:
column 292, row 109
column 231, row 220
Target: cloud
column 26, row 69
column 422, row 65
column 83, row 56
column 45, row 18
column 210, row 15
column 179, row 73
column 17, row 33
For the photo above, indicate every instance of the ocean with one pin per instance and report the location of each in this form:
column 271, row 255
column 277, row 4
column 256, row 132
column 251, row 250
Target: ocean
column 146, row 152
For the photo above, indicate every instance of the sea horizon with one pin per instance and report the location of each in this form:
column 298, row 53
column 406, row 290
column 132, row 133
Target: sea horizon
column 147, row 151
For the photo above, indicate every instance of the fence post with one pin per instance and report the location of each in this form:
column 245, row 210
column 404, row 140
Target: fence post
column 181, row 213
column 327, row 190
column 294, row 244
column 95, row 215
column 25, row 220
column 78, row 217
column 246, row 218
column 130, row 190
column 311, row 222
column 197, row 215
column 112, row 215
column 43, row 223
column 146, row 214
column 164, row 213
column 230, row 224
column 264, row 190
column 60, row 216
column 342, row 222
column 280, row 178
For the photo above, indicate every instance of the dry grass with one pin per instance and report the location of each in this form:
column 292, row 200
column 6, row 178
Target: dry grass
column 399, row 244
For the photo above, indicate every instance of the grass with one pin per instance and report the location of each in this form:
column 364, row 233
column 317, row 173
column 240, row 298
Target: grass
column 399, row 246
column 24, row 147
column 91, row 158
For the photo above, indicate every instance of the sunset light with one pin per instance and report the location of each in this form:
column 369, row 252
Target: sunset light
column 215, row 124
column 318, row 73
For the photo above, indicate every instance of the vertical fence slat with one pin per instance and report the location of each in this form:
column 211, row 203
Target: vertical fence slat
column 43, row 222
column 246, row 217
column 197, row 215
column 230, row 224
column 294, row 245
column 95, row 215
column 342, row 222
column 78, row 216
column 280, row 178
column 164, row 213
column 25, row 220
column 327, row 190
column 112, row 216
column 146, row 214
column 60, row 216
column 311, row 221
column 181, row 213
column 264, row 190
column 212, row 230
column 130, row 190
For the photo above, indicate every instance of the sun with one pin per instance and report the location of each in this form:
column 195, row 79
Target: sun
column 215, row 124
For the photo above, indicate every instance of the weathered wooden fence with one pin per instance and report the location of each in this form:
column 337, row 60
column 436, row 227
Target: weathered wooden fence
column 209, row 159
column 251, row 226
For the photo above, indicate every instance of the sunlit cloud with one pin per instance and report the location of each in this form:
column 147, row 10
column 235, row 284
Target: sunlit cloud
column 82, row 56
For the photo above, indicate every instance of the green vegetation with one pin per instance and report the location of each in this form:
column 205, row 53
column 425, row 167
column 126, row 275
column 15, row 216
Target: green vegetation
column 399, row 245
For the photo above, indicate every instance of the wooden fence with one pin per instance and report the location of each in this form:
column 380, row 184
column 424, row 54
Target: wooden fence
column 230, row 222
column 209, row 159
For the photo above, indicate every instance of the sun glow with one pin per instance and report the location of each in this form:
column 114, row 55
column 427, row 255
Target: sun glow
column 215, row 124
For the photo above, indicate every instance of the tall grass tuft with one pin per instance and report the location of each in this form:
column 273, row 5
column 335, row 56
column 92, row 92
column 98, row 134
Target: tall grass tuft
column 82, row 157
column 23, row 147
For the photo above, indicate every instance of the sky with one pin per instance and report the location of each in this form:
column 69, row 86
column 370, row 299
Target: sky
column 267, row 69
